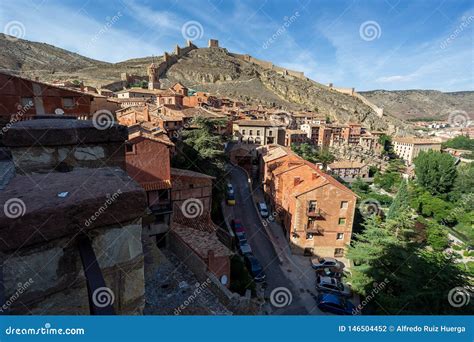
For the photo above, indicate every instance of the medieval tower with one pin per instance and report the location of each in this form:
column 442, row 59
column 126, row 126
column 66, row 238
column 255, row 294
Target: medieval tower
column 153, row 77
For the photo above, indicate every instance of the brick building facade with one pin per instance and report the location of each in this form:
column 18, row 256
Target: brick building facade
column 317, row 212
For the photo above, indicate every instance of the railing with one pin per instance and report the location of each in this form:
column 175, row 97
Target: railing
column 315, row 229
column 316, row 213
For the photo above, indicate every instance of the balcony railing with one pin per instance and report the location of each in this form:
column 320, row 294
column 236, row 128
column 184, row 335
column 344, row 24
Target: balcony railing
column 316, row 213
column 313, row 228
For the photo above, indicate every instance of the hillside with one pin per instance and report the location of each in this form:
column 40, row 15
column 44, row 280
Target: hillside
column 422, row 104
column 208, row 69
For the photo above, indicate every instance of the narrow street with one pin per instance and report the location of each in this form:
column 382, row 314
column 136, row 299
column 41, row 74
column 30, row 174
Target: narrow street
column 262, row 248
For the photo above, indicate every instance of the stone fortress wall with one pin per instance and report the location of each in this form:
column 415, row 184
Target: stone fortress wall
column 351, row 91
column 171, row 58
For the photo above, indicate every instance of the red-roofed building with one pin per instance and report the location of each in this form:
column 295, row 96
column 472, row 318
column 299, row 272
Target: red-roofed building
column 317, row 212
column 148, row 163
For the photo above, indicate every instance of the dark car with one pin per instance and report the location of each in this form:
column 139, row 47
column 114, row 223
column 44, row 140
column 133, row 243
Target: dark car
column 237, row 226
column 254, row 267
column 335, row 304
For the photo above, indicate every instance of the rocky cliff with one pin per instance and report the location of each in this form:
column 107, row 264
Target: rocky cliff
column 207, row 69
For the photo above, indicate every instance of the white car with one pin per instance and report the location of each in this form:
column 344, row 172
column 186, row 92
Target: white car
column 328, row 284
column 262, row 207
column 318, row 263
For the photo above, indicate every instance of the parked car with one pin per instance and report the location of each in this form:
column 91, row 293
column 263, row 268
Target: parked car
column 330, row 272
column 328, row 284
column 245, row 249
column 237, row 226
column 241, row 238
column 335, row 304
column 263, row 209
column 254, row 267
column 230, row 194
column 318, row 263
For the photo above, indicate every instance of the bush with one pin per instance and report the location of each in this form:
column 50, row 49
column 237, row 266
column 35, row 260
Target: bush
column 458, row 247
column 437, row 236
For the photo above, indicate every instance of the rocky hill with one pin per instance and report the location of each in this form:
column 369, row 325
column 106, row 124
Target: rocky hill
column 422, row 104
column 208, row 69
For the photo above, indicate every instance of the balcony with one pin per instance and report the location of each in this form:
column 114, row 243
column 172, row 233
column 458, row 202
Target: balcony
column 318, row 214
column 315, row 229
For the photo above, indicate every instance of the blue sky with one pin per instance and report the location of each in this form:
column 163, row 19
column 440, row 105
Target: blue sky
column 385, row 44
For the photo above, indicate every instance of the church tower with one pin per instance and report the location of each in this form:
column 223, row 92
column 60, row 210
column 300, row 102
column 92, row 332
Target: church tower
column 153, row 79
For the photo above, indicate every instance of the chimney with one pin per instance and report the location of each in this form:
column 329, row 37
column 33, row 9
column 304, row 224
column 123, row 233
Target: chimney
column 296, row 181
column 315, row 176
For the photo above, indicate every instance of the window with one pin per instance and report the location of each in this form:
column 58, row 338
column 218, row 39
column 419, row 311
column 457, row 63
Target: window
column 270, row 133
column 312, row 206
column 344, row 204
column 129, row 148
column 250, row 132
column 342, row 220
column 68, row 102
column 27, row 102
column 309, row 236
column 340, row 236
column 258, row 132
column 339, row 252
column 243, row 132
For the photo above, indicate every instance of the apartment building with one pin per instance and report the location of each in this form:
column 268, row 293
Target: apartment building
column 408, row 148
column 316, row 211
column 258, row 132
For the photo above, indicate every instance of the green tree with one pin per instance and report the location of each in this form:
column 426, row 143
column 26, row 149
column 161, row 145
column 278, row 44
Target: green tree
column 386, row 252
column 460, row 142
column 386, row 142
column 201, row 150
column 435, row 171
column 325, row 157
column 400, row 202
column 305, row 151
column 436, row 236
column 464, row 183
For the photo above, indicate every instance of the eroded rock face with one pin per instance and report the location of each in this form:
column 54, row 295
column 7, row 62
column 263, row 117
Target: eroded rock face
column 217, row 71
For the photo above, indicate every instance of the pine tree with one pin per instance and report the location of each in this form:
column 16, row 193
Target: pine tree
column 400, row 202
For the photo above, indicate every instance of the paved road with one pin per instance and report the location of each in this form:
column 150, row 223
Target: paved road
column 262, row 248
